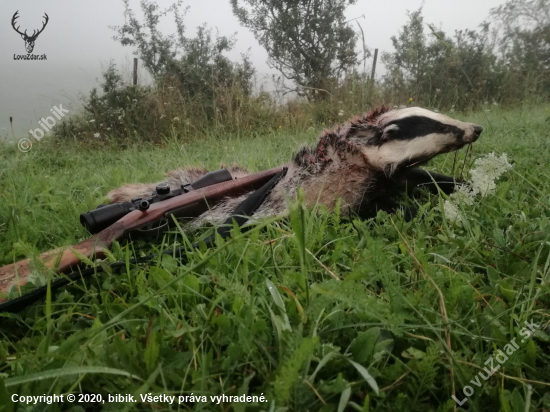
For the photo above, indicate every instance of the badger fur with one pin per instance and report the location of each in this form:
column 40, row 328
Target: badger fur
column 366, row 162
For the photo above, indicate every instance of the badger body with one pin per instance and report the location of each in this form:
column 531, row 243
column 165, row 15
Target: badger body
column 367, row 163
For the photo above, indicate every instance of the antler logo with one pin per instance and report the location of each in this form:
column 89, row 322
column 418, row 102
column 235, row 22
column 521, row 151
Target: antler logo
column 29, row 40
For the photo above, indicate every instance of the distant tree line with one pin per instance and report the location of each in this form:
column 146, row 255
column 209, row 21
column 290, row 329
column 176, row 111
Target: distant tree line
column 506, row 61
column 322, row 62
column 313, row 46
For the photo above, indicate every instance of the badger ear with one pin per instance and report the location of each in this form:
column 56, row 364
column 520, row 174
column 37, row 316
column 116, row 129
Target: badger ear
column 365, row 131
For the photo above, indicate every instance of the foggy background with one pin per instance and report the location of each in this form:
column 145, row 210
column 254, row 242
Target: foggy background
column 79, row 45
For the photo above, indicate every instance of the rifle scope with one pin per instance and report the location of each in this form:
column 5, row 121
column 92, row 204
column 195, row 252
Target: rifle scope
column 105, row 215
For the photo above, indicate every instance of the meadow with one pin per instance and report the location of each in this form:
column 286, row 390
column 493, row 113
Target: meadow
column 315, row 311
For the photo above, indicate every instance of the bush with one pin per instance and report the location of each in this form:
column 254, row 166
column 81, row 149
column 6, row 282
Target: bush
column 472, row 68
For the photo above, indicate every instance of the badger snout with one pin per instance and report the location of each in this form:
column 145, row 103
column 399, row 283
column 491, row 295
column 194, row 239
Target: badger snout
column 475, row 131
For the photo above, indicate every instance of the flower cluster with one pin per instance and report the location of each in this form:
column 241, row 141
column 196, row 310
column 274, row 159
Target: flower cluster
column 487, row 169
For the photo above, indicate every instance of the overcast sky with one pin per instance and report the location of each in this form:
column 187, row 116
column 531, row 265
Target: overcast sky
column 79, row 45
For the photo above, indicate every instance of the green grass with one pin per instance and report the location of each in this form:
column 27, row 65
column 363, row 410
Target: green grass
column 262, row 313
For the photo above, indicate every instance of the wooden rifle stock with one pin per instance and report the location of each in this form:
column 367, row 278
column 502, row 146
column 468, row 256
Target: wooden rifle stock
column 201, row 199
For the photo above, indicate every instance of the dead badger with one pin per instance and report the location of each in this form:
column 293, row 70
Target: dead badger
column 367, row 162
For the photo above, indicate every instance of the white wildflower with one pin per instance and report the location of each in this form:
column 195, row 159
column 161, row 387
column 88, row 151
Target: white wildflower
column 464, row 194
column 340, row 113
column 91, row 121
column 487, row 169
column 97, row 135
column 176, row 119
column 451, row 212
column 481, row 183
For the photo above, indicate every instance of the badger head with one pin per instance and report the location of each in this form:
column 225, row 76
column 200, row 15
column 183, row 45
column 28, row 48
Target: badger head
column 392, row 140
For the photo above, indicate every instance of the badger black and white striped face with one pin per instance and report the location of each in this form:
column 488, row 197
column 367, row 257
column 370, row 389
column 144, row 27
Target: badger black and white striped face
column 414, row 135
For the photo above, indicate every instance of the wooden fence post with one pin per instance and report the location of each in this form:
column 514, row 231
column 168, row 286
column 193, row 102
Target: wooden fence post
column 135, row 70
column 374, row 65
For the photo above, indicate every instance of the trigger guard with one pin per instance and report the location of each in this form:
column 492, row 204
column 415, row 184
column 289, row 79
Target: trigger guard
column 148, row 231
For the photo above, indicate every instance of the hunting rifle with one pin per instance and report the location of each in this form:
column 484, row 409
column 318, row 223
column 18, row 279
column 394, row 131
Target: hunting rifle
column 135, row 217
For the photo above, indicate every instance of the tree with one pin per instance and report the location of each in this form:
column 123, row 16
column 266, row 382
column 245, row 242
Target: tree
column 308, row 41
column 408, row 63
column 521, row 15
column 442, row 71
column 524, row 28
column 197, row 63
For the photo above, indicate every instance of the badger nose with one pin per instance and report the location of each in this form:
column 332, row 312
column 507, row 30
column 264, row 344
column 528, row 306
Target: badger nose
column 477, row 130
column 475, row 135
